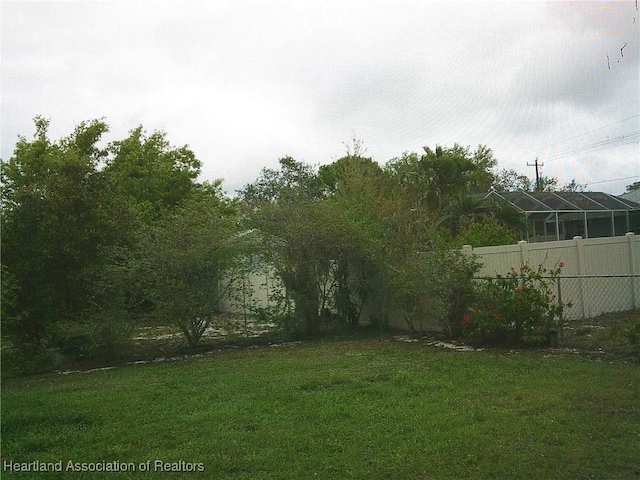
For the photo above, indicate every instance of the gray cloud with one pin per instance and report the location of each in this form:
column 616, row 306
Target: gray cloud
column 246, row 82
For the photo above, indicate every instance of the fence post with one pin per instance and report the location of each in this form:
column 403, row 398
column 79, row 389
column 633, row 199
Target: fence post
column 580, row 266
column 524, row 252
column 634, row 268
column 562, row 314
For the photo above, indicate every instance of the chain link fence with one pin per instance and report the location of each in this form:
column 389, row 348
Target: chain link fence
column 603, row 310
column 595, row 295
column 600, row 312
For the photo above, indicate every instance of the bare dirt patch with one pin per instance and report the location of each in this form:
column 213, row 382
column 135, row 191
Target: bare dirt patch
column 603, row 337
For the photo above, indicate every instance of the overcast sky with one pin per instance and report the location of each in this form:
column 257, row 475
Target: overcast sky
column 244, row 83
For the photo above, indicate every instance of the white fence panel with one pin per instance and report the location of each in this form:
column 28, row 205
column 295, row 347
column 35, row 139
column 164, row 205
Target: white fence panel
column 591, row 257
column 599, row 259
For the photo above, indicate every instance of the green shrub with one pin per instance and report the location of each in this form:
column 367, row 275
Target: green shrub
column 488, row 232
column 514, row 308
column 433, row 285
column 457, row 291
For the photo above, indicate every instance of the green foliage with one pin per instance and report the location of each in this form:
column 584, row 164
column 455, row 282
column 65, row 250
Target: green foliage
column 313, row 243
column 573, row 186
column 96, row 238
column 428, row 282
column 72, row 217
column 280, row 206
column 150, row 175
column 53, row 227
column 518, row 307
column 293, row 182
column 305, row 261
column 437, row 176
column 358, row 195
column 509, row 180
column 433, row 287
column 486, row 233
column 463, row 211
column 457, row 288
column 355, row 237
column 9, row 312
column 182, row 260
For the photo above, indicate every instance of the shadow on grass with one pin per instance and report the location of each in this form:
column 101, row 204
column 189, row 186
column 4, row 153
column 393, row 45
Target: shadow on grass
column 602, row 338
column 154, row 343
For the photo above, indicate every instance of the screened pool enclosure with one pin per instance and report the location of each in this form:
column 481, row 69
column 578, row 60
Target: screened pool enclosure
column 564, row 215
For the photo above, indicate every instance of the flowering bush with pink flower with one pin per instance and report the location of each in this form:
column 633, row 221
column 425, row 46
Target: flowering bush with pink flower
column 515, row 308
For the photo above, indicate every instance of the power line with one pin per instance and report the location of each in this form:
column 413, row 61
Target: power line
column 619, row 141
column 635, row 155
column 594, row 130
column 612, row 180
column 585, row 133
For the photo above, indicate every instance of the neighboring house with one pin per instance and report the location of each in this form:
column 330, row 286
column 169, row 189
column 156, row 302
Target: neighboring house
column 564, row 215
column 632, row 196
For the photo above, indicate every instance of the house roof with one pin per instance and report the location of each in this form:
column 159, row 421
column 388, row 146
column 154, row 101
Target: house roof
column 564, row 202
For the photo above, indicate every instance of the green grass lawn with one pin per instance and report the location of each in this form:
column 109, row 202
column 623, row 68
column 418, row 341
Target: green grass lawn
column 372, row 408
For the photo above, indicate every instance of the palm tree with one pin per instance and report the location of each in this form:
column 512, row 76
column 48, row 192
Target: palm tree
column 463, row 209
column 511, row 217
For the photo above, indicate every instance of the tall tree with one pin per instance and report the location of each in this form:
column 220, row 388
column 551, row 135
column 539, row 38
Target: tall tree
column 508, row 180
column 437, row 176
column 285, row 207
column 358, row 191
column 72, row 215
column 634, row 186
column 149, row 174
column 182, row 260
column 53, row 228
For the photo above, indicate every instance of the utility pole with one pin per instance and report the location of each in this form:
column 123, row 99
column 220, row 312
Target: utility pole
column 537, row 165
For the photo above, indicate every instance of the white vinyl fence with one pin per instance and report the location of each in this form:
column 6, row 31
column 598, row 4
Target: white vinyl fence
column 600, row 275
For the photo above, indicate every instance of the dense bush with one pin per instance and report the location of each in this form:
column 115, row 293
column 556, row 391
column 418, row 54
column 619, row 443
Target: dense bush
column 515, row 308
column 417, row 286
column 486, row 233
column 452, row 284
column 72, row 217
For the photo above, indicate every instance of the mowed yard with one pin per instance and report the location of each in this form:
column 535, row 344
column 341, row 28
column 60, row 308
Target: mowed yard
column 367, row 408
